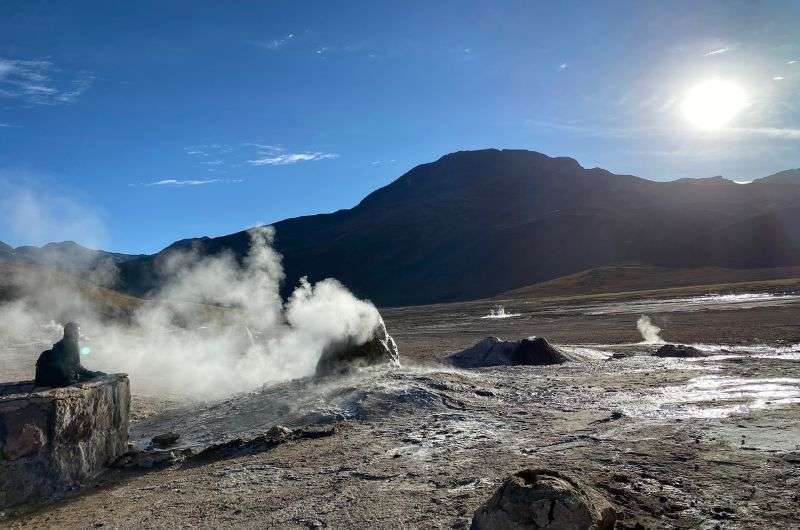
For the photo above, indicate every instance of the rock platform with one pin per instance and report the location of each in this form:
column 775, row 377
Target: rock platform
column 53, row 439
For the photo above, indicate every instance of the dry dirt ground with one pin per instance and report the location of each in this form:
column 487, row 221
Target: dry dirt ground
column 690, row 443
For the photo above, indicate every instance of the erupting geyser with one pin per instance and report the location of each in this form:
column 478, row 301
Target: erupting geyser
column 217, row 326
column 340, row 358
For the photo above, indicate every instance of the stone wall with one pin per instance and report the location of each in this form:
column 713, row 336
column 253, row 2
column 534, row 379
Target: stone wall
column 52, row 439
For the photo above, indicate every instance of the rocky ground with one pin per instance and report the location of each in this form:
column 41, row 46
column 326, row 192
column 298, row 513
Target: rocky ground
column 711, row 442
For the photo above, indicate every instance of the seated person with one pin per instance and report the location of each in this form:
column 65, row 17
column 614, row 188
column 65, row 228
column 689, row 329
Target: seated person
column 61, row 365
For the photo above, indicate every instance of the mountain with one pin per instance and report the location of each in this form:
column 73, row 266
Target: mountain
column 6, row 251
column 477, row 223
column 66, row 255
column 789, row 176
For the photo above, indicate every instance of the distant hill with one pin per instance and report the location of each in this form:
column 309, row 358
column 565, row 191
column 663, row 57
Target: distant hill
column 51, row 292
column 66, row 255
column 643, row 278
column 6, row 251
column 62, row 296
column 477, row 223
column 790, row 176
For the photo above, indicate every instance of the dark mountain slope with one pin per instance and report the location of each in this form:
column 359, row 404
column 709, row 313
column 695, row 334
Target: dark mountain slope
column 476, row 223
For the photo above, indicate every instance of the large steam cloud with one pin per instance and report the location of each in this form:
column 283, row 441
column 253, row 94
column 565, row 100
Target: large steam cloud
column 218, row 327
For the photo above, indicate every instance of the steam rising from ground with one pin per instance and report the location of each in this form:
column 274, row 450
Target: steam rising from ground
column 219, row 327
column 650, row 332
column 500, row 312
column 38, row 213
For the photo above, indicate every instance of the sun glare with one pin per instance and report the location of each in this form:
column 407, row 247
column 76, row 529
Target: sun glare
column 713, row 104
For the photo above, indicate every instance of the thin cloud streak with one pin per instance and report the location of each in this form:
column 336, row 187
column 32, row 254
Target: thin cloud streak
column 40, row 82
column 291, row 158
column 175, row 183
column 773, row 132
column 717, row 52
column 275, row 44
column 253, row 154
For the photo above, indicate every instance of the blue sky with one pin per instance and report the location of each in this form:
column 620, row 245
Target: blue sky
column 130, row 125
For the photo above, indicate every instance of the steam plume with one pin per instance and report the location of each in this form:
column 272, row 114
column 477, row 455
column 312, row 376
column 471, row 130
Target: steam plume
column 650, row 332
column 218, row 327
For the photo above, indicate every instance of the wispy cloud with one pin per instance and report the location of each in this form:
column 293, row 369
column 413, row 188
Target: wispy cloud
column 381, row 162
column 786, row 133
column 275, row 44
column 286, row 159
column 778, row 78
column 563, row 66
column 252, row 154
column 320, row 45
column 175, row 183
column 209, row 150
column 40, row 82
column 718, row 51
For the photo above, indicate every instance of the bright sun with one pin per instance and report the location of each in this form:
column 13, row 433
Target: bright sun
column 713, row 104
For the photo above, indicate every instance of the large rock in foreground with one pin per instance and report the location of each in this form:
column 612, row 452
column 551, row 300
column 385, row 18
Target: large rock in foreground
column 52, row 439
column 680, row 351
column 544, row 499
column 491, row 351
column 341, row 358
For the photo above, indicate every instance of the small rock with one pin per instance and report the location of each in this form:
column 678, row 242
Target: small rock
column 165, row 439
column 278, row 432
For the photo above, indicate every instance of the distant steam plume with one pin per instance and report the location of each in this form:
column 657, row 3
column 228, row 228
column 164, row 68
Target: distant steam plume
column 500, row 312
column 650, row 332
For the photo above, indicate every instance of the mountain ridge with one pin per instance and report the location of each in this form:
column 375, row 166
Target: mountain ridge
column 67, row 255
column 476, row 223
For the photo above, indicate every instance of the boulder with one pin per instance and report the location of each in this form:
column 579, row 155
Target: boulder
column 544, row 499
column 491, row 351
column 679, row 350
column 53, row 439
column 165, row 439
column 344, row 357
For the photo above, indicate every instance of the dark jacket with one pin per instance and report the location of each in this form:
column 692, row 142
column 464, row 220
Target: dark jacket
column 61, row 365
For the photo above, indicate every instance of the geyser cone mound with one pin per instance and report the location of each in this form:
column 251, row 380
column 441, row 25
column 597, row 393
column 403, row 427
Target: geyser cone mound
column 492, row 351
column 544, row 499
column 343, row 357
column 679, row 350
